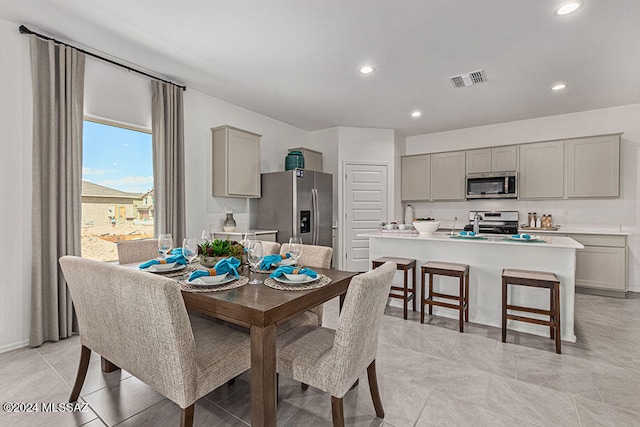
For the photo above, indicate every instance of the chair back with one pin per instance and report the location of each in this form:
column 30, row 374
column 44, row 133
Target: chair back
column 130, row 251
column 356, row 339
column 270, row 248
column 312, row 255
column 136, row 320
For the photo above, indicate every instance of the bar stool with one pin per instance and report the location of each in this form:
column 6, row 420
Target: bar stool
column 450, row 269
column 408, row 293
column 537, row 279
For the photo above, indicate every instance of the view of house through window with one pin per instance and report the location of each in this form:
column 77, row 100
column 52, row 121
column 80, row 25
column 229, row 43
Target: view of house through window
column 117, row 188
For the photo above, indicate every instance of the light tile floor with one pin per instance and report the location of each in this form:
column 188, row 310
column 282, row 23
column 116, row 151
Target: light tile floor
column 428, row 374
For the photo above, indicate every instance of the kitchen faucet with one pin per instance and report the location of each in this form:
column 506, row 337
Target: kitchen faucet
column 453, row 229
column 476, row 223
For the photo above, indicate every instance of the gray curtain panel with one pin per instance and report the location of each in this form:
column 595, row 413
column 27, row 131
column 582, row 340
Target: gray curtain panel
column 167, row 126
column 58, row 94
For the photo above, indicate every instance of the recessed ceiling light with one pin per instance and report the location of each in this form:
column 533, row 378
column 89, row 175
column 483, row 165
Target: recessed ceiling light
column 367, row 69
column 416, row 114
column 566, row 9
column 559, row 86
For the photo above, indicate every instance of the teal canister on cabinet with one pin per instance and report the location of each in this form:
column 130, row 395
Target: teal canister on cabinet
column 294, row 159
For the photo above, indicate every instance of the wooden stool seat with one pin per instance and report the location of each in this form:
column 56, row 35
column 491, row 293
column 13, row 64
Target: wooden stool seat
column 450, row 269
column 537, row 279
column 408, row 293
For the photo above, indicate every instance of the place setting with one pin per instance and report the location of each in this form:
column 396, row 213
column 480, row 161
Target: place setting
column 172, row 262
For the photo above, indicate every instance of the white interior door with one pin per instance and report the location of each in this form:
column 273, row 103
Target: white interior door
column 366, row 206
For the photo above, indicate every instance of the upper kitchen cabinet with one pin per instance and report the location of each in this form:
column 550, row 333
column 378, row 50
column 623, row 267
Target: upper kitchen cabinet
column 592, row 166
column 416, row 177
column 542, row 170
column 448, row 176
column 496, row 159
column 236, row 163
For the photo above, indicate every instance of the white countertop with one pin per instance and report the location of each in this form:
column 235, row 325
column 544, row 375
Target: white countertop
column 551, row 241
column 243, row 232
column 578, row 229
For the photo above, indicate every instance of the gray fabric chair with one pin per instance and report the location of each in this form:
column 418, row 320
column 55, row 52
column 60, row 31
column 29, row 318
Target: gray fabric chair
column 334, row 360
column 270, row 248
column 138, row 321
column 312, row 256
column 130, row 251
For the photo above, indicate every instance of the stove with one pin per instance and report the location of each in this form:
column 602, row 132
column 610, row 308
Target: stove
column 495, row 222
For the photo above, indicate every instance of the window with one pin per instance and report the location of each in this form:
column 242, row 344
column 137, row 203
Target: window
column 117, row 187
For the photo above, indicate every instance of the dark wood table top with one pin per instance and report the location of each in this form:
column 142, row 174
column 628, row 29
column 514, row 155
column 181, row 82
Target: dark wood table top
column 261, row 305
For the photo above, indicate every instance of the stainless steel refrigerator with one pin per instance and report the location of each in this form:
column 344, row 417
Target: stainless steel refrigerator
column 297, row 202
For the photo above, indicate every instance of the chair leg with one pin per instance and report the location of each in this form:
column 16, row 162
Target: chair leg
column 414, row 287
column 373, row 388
column 461, row 304
column 504, row 309
column 405, row 293
column 186, row 416
column 83, row 366
column 337, row 411
column 422, row 298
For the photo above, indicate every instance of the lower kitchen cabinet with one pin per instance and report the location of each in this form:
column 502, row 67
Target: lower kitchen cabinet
column 601, row 267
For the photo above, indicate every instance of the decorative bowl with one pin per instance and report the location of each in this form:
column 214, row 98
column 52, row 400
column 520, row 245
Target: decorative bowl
column 296, row 277
column 426, row 228
column 209, row 261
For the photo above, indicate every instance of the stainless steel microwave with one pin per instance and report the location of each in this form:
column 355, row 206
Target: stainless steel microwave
column 492, row 185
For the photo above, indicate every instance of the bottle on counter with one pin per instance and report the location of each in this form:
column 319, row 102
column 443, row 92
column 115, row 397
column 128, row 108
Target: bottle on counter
column 532, row 221
column 538, row 222
column 408, row 215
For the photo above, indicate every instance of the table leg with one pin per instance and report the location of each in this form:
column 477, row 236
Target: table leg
column 107, row 366
column 263, row 375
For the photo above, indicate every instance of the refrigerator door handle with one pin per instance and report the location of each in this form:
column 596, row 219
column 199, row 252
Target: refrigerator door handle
column 316, row 214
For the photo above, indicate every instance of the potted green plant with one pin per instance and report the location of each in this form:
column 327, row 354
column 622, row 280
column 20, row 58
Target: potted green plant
column 209, row 253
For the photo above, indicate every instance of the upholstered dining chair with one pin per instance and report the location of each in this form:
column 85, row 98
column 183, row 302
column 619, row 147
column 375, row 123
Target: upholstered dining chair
column 139, row 322
column 270, row 248
column 312, row 256
column 332, row 360
column 130, row 251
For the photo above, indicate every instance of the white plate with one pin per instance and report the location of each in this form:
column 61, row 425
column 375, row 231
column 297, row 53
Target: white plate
column 289, row 282
column 206, row 281
column 162, row 268
column 287, row 261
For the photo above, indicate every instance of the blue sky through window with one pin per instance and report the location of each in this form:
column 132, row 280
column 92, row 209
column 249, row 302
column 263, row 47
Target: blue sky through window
column 117, row 157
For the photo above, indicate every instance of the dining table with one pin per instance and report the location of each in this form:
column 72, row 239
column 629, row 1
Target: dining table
column 259, row 308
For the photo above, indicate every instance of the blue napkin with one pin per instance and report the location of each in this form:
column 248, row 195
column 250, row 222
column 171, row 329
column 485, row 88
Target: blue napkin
column 176, row 251
column 467, row 233
column 269, row 260
column 227, row 265
column 173, row 258
column 521, row 236
column 290, row 270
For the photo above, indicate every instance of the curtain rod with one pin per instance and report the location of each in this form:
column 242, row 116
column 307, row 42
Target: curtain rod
column 24, row 30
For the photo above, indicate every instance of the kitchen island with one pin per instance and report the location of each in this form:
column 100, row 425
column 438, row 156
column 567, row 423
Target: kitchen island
column 487, row 257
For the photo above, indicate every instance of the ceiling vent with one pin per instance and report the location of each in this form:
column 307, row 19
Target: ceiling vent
column 468, row 79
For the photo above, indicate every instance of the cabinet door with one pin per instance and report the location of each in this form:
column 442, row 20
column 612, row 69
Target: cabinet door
column 243, row 164
column 504, row 158
column 601, row 267
column 479, row 161
column 593, row 166
column 541, row 170
column 448, row 176
column 416, row 178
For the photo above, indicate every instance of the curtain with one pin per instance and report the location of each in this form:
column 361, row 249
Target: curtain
column 58, row 93
column 167, row 125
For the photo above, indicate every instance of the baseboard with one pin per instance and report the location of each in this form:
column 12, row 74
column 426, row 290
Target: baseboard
column 13, row 346
column 601, row 292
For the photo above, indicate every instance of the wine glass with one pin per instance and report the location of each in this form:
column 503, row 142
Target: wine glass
column 206, row 237
column 295, row 248
column 190, row 248
column 254, row 256
column 165, row 244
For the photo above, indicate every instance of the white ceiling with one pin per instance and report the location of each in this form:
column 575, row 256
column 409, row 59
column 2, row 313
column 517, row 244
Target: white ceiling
column 297, row 60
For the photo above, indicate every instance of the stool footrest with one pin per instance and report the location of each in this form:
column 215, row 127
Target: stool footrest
column 529, row 310
column 530, row 320
column 409, row 296
column 447, row 296
column 444, row 304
